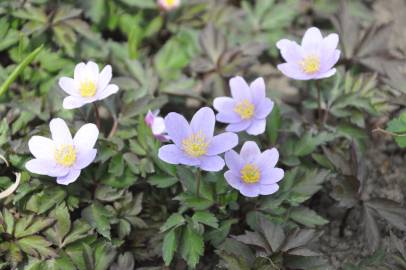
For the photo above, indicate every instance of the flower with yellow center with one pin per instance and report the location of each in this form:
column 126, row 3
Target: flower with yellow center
column 195, row 145
column 87, row 88
column 65, row 155
column 168, row 4
column 310, row 64
column 245, row 109
column 250, row 174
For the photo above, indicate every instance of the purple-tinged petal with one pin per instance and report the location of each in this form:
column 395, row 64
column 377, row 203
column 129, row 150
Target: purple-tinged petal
column 171, row 154
column 250, row 190
column 69, row 86
column 330, row 44
column 149, row 119
column 108, row 91
column 328, row 61
column 268, row 189
column 92, row 69
column 84, row 158
column 249, row 151
column 177, row 127
column 203, row 121
column 228, row 117
column 258, row 90
column 41, row 147
column 257, row 127
column 86, row 137
column 234, row 161
column 264, row 109
column 224, row 104
column 79, row 71
column 72, row 102
column 237, row 127
column 46, row 167
column 240, row 89
column 312, row 39
column 271, row 176
column 60, row 132
column 222, row 143
column 158, row 126
column 71, row 177
column 290, row 50
column 211, row 163
column 327, row 74
column 233, row 180
column 267, row 159
column 104, row 77
column 292, row 70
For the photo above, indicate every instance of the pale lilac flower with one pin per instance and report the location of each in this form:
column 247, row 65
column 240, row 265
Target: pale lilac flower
column 251, row 172
column 313, row 59
column 62, row 156
column 87, row 85
column 194, row 144
column 157, row 125
column 168, row 5
column 247, row 109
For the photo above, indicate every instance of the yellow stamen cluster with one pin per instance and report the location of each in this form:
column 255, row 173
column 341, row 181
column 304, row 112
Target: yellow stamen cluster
column 245, row 109
column 310, row 64
column 250, row 174
column 65, row 155
column 170, row 2
column 87, row 88
column 195, row 145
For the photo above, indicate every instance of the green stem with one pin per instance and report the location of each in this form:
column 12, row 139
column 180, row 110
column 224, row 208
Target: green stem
column 198, row 178
column 96, row 114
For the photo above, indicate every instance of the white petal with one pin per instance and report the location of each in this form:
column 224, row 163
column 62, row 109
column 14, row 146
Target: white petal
column 60, row 132
column 38, row 166
column 104, row 78
column 84, row 158
column 69, row 178
column 69, row 86
column 158, row 126
column 41, row 147
column 109, row 90
column 79, row 72
column 92, row 70
column 72, row 102
column 86, row 137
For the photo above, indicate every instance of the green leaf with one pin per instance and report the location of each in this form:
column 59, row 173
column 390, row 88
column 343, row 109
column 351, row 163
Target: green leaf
column 169, row 246
column 192, row 246
column 99, row 218
column 25, row 226
column 398, row 126
column 36, row 246
column 307, row 217
column 206, row 218
column 273, row 124
column 307, row 143
column 174, row 221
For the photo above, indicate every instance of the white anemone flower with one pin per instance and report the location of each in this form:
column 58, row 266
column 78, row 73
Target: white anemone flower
column 168, row 5
column 87, row 85
column 63, row 156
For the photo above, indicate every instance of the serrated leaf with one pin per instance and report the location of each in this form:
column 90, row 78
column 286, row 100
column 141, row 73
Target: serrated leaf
column 99, row 218
column 36, row 246
column 169, row 246
column 206, row 218
column 192, row 246
column 174, row 221
column 307, row 217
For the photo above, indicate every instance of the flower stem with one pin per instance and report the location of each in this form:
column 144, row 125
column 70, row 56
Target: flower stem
column 96, row 114
column 198, row 177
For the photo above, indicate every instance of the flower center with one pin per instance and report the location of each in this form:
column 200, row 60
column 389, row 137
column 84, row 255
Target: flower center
column 195, row 145
column 65, row 155
column 310, row 64
column 250, row 174
column 245, row 109
column 170, row 2
column 87, row 88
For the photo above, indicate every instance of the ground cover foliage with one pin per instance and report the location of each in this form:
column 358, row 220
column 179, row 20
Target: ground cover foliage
column 130, row 210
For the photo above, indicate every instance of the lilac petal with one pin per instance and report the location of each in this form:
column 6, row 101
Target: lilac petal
column 104, row 77
column 71, row 177
column 92, row 69
column 264, row 109
column 233, row 160
column 177, row 127
column 41, row 147
column 272, row 176
column 149, row 119
column 72, row 102
column 328, row 61
column 237, row 127
column 249, row 151
column 222, row 143
column 171, row 154
column 203, row 121
column 293, row 71
column 312, row 39
column 224, row 104
column 268, row 189
column 79, row 71
column 258, row 90
column 228, row 118
column 211, row 163
column 86, row 137
column 233, row 180
column 84, row 158
column 108, row 91
column 60, row 132
column 250, row 190
column 327, row 74
column 267, row 159
column 257, row 127
column 330, row 44
column 158, row 126
column 290, row 50
column 69, row 86
column 240, row 89
column 46, row 167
